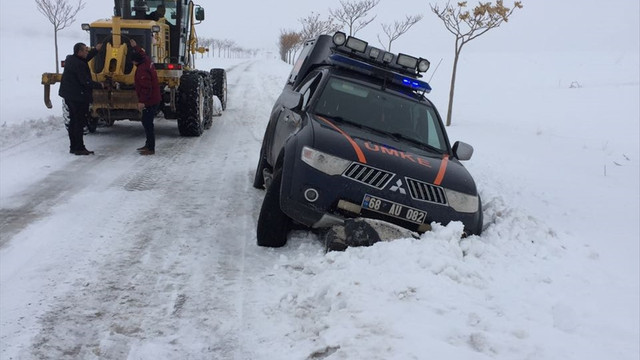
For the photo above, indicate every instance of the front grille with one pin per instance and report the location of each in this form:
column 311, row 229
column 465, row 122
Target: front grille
column 368, row 175
column 426, row 192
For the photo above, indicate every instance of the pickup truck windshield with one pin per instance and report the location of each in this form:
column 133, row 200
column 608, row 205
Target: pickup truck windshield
column 381, row 110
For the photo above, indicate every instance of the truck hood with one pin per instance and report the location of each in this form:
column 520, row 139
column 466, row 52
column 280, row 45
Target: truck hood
column 385, row 152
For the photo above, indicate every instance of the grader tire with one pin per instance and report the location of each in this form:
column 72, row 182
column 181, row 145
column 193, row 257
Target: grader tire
column 190, row 105
column 208, row 100
column 219, row 77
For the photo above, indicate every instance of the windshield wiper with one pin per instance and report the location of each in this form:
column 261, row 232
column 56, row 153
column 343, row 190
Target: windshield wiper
column 416, row 142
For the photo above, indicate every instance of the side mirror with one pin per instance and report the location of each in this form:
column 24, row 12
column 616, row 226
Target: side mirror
column 462, row 151
column 199, row 14
column 291, row 100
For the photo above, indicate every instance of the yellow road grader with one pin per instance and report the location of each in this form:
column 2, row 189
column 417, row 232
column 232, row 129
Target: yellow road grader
column 171, row 42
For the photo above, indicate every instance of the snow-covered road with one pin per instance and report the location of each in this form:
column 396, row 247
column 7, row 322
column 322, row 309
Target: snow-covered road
column 114, row 248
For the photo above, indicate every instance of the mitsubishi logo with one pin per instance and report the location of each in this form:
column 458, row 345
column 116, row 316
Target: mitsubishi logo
column 398, row 187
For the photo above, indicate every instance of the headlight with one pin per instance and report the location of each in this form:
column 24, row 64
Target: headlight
column 328, row 164
column 461, row 202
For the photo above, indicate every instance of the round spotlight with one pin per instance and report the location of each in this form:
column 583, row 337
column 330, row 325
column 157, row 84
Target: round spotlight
column 311, row 195
column 423, row 65
column 339, row 38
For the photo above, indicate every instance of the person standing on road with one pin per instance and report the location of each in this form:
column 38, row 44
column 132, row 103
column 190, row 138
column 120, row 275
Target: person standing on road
column 76, row 88
column 149, row 97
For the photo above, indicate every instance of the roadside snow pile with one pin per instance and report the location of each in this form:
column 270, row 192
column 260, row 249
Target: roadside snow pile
column 13, row 134
column 464, row 292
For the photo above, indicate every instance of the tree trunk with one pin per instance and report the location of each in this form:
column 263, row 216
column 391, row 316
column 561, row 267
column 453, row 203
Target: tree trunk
column 453, row 82
column 55, row 42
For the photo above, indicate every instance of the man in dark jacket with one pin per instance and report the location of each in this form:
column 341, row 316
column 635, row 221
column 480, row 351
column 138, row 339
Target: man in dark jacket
column 157, row 14
column 148, row 92
column 76, row 88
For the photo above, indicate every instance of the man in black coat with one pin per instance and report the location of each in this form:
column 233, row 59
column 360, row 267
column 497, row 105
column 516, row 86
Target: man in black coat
column 76, row 88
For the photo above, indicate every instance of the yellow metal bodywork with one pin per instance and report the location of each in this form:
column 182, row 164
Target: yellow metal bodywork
column 114, row 69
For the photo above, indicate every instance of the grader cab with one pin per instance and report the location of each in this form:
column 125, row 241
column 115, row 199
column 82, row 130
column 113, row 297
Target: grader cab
column 171, row 43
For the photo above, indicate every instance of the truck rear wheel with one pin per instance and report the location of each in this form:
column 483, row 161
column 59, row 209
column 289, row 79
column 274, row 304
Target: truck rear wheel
column 190, row 104
column 219, row 77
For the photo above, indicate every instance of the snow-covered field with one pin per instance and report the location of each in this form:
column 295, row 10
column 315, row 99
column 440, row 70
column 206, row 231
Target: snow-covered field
column 117, row 256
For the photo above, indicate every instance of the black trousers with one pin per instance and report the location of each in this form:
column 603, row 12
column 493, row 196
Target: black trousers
column 148, row 114
column 78, row 112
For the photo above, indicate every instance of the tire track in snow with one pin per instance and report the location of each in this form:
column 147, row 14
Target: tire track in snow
column 175, row 285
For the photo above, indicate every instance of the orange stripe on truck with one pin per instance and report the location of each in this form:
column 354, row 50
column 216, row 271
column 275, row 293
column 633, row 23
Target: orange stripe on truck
column 443, row 169
column 359, row 152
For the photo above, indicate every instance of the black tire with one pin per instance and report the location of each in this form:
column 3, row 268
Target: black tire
column 67, row 119
column 92, row 124
column 208, row 100
column 65, row 115
column 219, row 77
column 190, row 104
column 273, row 224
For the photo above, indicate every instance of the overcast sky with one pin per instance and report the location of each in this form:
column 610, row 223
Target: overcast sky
column 546, row 25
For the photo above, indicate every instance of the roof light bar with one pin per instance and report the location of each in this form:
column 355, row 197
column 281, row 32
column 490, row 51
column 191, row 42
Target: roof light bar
column 407, row 61
column 373, row 53
column 356, row 44
column 369, row 69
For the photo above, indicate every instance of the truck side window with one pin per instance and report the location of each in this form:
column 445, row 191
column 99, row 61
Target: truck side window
column 308, row 87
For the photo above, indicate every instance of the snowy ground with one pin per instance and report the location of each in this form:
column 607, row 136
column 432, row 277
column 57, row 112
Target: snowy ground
column 117, row 256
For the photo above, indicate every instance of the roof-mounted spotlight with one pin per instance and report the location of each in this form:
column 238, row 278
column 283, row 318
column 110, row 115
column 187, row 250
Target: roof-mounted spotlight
column 387, row 57
column 423, row 65
column 86, row 27
column 374, row 52
column 356, row 44
column 339, row 38
column 155, row 28
column 407, row 61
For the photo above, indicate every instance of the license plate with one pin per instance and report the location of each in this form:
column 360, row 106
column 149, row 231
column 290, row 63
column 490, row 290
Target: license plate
column 393, row 209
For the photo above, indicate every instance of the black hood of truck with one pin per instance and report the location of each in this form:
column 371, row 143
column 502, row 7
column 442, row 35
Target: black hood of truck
column 385, row 152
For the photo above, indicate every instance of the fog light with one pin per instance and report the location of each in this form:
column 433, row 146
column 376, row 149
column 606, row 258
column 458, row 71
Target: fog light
column 311, row 195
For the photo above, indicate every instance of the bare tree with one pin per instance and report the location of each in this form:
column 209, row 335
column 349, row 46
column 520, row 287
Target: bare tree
column 218, row 44
column 313, row 26
column 466, row 26
column 61, row 14
column 227, row 44
column 397, row 29
column 354, row 14
column 290, row 42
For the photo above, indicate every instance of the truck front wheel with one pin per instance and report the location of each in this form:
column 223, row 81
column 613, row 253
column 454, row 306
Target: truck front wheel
column 190, row 104
column 273, row 224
